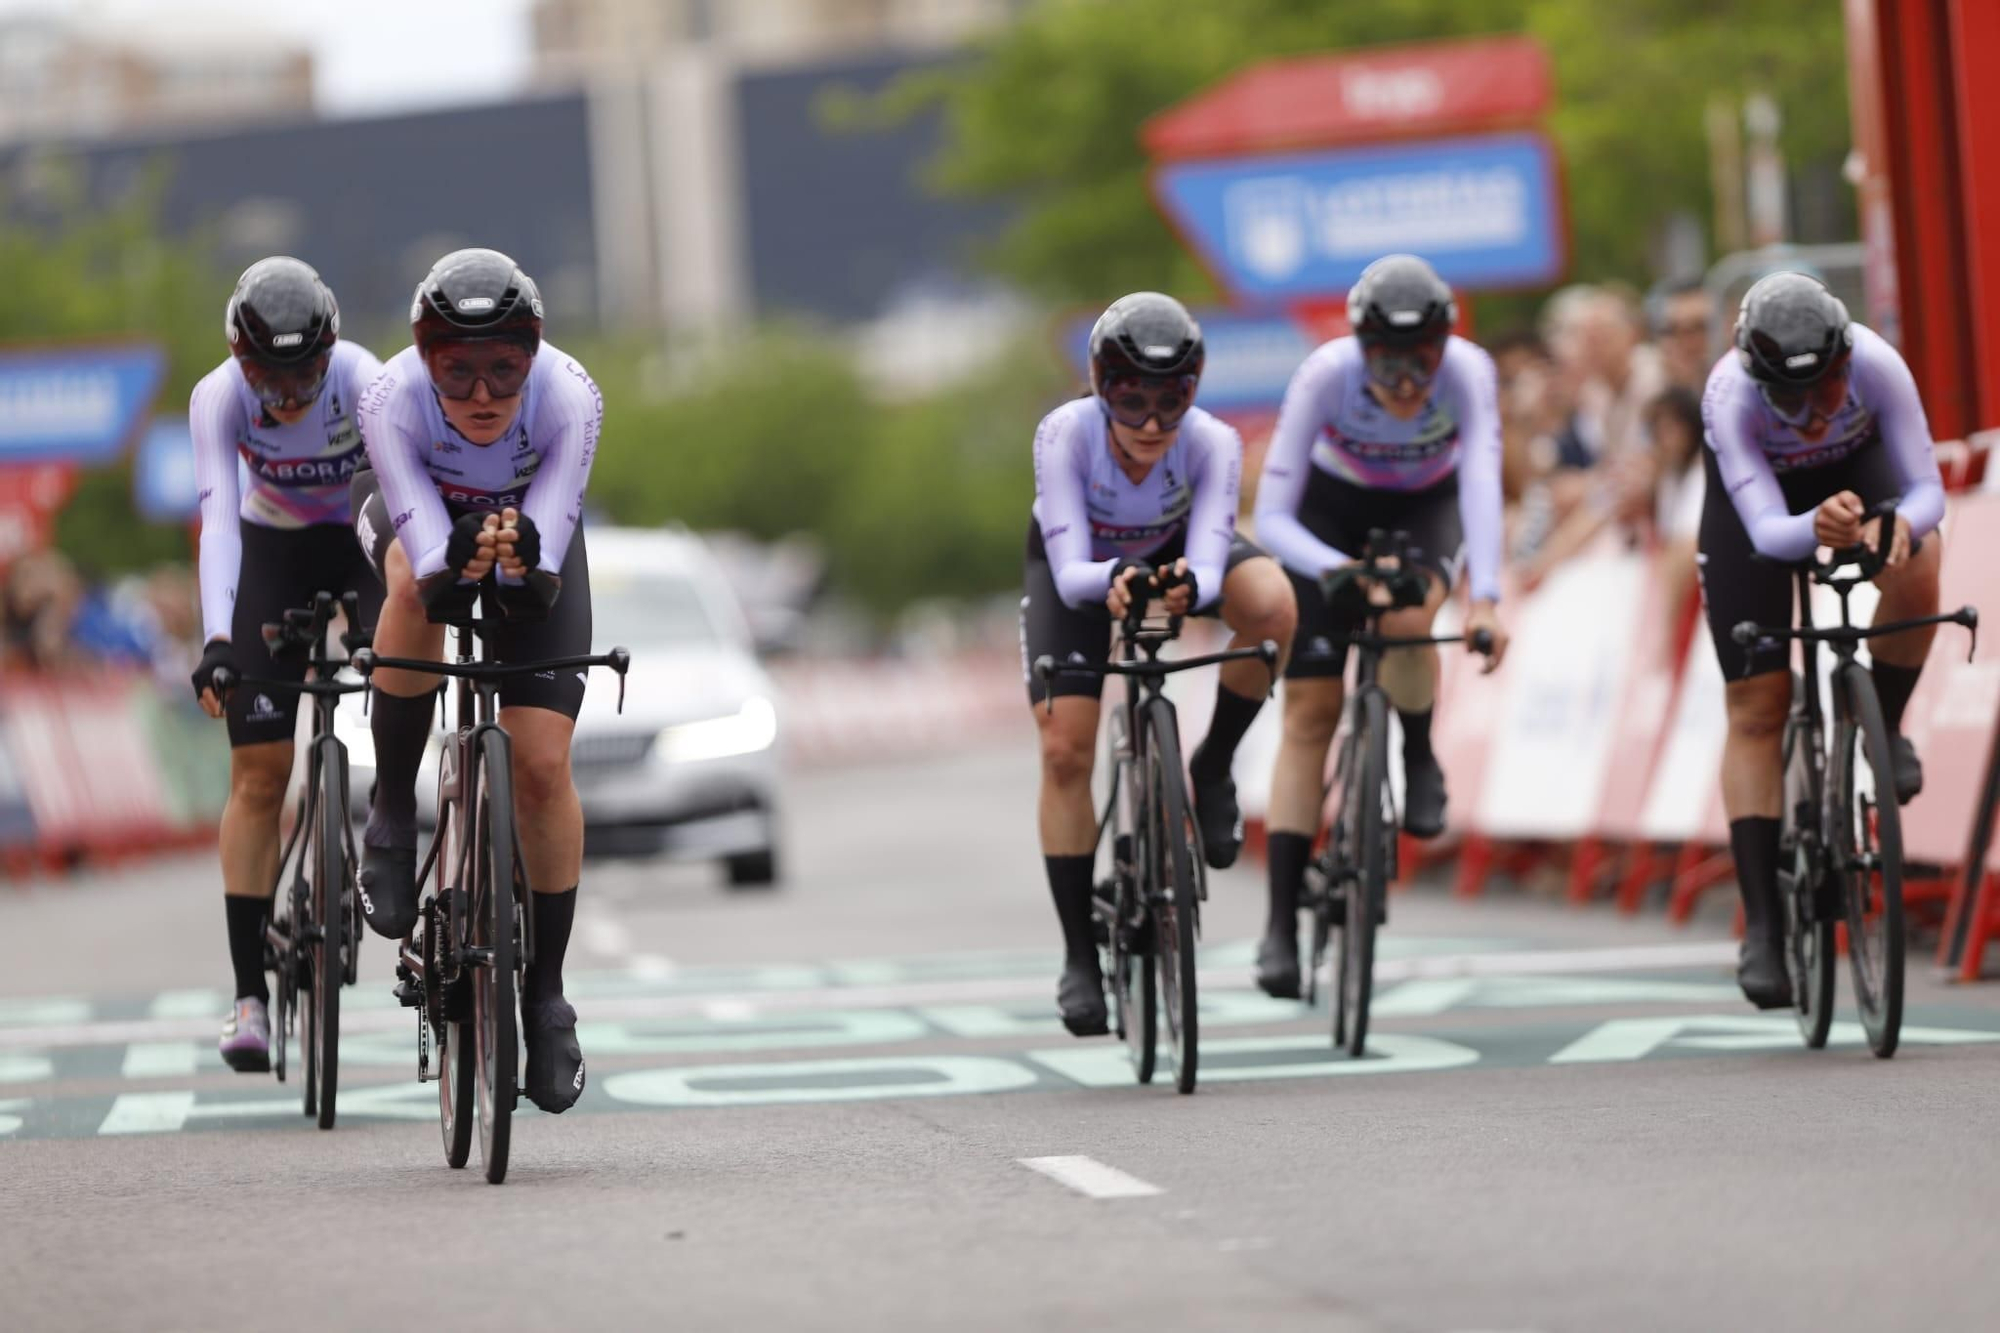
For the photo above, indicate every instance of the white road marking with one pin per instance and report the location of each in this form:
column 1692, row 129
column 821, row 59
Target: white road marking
column 799, row 991
column 160, row 1059
column 1636, row 1038
column 652, row 967
column 10, row 1123
column 729, row 1011
column 148, row 1113
column 25, row 1067
column 189, row 1004
column 1090, row 1177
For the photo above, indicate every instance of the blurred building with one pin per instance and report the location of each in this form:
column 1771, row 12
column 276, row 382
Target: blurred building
column 179, row 71
column 577, row 40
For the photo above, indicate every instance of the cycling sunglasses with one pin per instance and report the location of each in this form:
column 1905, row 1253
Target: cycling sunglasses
column 1798, row 405
column 287, row 386
column 1135, row 400
column 1390, row 366
column 457, row 368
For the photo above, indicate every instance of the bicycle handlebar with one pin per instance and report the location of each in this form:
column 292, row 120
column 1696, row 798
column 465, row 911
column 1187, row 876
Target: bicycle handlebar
column 1404, row 579
column 1046, row 668
column 367, row 662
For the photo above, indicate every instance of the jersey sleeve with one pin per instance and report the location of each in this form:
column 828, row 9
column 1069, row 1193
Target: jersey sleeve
column 215, row 415
column 1212, row 520
column 392, row 432
column 1729, row 428
column 1477, row 391
column 569, row 417
column 1891, row 394
column 1059, row 504
column 1288, row 462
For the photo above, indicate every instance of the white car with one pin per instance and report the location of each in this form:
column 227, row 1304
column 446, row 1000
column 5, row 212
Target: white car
column 691, row 765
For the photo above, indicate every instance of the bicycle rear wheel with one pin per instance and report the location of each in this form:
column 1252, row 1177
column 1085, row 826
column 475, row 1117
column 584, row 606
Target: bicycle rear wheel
column 1362, row 805
column 1809, row 951
column 1174, row 902
column 328, row 952
column 494, row 923
column 1867, row 861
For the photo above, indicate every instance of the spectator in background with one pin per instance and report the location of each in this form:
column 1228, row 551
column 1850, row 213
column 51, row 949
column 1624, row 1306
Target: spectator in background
column 1597, row 338
column 1683, row 319
column 1673, row 420
column 41, row 595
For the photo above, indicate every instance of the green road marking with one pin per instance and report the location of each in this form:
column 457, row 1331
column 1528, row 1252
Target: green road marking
column 820, row 1081
column 1241, row 1059
column 1637, row 1038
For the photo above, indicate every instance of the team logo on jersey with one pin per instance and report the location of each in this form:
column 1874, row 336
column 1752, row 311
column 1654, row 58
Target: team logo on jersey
column 449, row 447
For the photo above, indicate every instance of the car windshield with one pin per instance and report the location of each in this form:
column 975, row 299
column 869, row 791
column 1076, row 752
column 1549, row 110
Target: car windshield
column 634, row 609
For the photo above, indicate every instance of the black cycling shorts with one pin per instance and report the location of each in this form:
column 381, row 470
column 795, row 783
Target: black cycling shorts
column 282, row 569
column 1342, row 515
column 1736, row 585
column 566, row 633
column 1051, row 626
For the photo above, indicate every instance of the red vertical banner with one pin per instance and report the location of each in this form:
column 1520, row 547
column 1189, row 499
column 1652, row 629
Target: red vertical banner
column 1975, row 54
column 1875, row 189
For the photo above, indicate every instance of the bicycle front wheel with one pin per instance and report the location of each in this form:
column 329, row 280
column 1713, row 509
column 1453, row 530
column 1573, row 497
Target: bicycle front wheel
column 1809, row 952
column 332, row 875
column 1175, row 888
column 1364, row 804
column 494, row 922
column 1867, row 829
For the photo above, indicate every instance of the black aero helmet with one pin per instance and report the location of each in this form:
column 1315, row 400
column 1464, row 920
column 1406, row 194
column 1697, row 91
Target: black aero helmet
column 281, row 315
column 1399, row 300
column 1147, row 334
column 1790, row 330
column 476, row 294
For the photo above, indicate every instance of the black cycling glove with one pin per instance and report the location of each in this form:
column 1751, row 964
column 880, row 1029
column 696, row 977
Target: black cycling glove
column 528, row 546
column 217, row 653
column 463, row 544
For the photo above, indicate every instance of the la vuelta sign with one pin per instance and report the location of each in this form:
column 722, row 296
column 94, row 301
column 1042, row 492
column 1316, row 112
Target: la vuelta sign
column 1288, row 178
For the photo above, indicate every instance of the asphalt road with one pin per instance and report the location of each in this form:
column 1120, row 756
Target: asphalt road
column 816, row 1109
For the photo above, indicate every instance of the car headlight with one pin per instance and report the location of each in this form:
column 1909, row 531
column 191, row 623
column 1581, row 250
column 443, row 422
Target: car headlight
column 751, row 728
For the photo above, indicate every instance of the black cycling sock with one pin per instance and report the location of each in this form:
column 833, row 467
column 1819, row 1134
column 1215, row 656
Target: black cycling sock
column 554, row 914
column 1893, row 686
column 400, row 727
column 1416, row 736
column 1069, row 885
column 246, row 944
column 1233, row 716
column 1753, row 842
column 1289, row 853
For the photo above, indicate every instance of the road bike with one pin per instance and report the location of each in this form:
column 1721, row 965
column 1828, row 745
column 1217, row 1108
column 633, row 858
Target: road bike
column 1347, row 885
column 463, row 965
column 1148, row 910
column 1840, row 844
column 312, row 943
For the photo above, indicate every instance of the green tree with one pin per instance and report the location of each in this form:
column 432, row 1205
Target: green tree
column 1048, row 110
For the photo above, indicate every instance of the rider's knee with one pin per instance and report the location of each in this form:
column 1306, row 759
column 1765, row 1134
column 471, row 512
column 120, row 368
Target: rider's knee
column 258, row 776
column 1067, row 755
column 1260, row 605
column 541, row 771
column 1409, row 622
column 1311, row 715
column 1757, row 706
column 399, row 583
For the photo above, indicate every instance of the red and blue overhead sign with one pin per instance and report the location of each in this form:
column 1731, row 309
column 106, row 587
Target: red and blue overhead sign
column 1484, row 210
column 78, row 405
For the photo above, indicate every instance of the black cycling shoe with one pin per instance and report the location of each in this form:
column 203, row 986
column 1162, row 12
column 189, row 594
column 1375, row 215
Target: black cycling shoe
column 1278, row 966
column 1080, row 997
column 555, row 1061
column 389, row 890
column 1760, row 971
column 1423, row 797
column 1221, row 819
column 1908, row 768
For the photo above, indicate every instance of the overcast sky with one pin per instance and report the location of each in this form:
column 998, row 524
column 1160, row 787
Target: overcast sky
column 370, row 56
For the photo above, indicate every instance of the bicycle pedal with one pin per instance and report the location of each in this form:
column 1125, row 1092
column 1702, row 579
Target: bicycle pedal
column 408, row 993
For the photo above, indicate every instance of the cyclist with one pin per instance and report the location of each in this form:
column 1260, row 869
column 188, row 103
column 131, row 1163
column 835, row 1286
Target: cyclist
column 1809, row 419
column 1134, row 473
column 284, row 403
column 480, row 439
column 1396, row 427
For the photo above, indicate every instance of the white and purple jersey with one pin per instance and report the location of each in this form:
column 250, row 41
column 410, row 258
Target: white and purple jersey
column 1754, row 446
column 430, row 473
column 1092, row 515
column 1331, row 424
column 298, row 473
